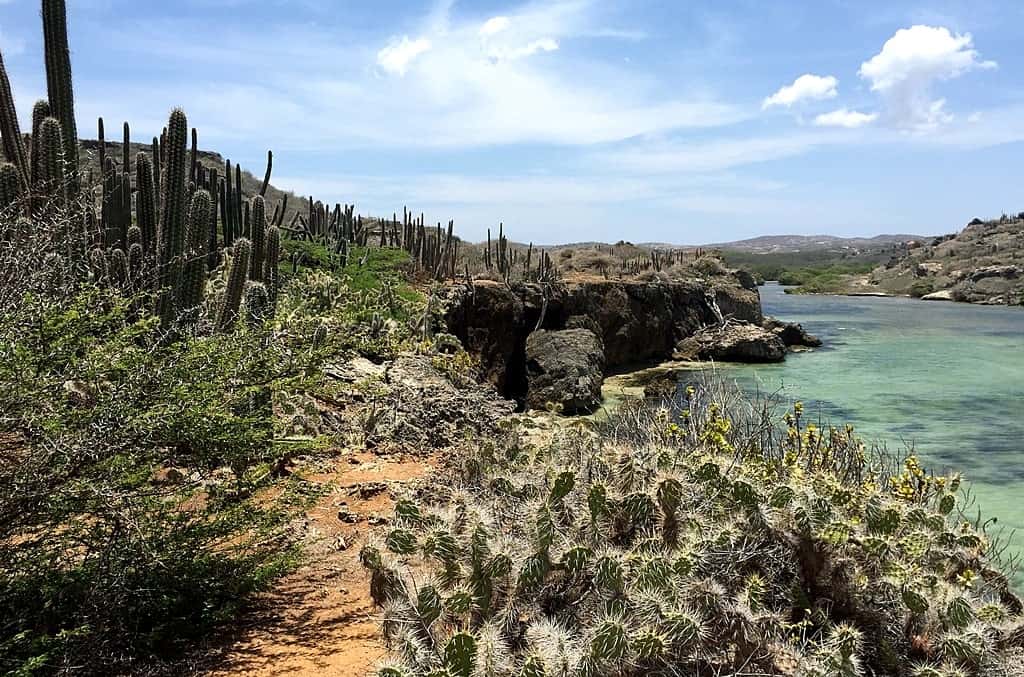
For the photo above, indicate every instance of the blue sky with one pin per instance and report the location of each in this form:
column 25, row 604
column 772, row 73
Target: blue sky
column 569, row 120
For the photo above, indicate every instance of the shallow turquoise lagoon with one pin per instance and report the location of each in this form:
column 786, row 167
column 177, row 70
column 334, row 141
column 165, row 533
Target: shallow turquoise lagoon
column 944, row 378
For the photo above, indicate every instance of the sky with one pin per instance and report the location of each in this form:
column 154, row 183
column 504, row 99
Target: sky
column 687, row 122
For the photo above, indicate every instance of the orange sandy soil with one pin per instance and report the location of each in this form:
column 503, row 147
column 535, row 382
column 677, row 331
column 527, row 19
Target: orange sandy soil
column 319, row 620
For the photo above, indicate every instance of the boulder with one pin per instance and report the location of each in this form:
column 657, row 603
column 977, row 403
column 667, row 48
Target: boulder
column 942, row 295
column 734, row 341
column 1008, row 272
column 565, row 368
column 791, row 333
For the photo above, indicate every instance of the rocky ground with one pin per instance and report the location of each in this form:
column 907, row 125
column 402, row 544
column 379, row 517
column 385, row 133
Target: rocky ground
column 395, row 426
column 984, row 264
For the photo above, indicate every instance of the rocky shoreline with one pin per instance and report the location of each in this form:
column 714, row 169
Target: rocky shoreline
column 551, row 346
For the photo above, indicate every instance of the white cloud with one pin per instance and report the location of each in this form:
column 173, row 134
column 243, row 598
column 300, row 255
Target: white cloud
column 804, row 88
column 495, row 25
column 910, row 62
column 542, row 45
column 850, row 119
column 399, row 54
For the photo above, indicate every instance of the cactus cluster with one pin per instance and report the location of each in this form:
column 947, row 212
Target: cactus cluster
column 59, row 89
column 685, row 556
column 505, row 259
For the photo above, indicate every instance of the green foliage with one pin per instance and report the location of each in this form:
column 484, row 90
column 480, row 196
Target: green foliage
column 823, row 279
column 103, row 559
column 795, row 267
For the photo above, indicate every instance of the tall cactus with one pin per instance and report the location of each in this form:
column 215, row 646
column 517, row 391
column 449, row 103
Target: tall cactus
column 51, row 160
column 257, row 230
column 10, row 132
column 189, row 290
column 40, row 111
column 241, row 253
column 172, row 223
column 126, row 148
column 145, row 201
column 10, row 185
column 58, row 81
column 156, row 160
column 270, row 271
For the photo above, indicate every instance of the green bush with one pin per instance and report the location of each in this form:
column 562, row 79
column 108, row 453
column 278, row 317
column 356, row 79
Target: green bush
column 129, row 524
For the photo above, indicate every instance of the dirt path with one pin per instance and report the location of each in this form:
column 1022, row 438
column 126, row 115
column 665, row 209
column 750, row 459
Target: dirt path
column 319, row 620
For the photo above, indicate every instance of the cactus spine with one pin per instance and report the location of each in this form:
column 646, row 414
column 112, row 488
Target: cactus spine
column 58, row 81
column 172, row 224
column 10, row 185
column 256, row 304
column 40, row 111
column 271, row 276
column 51, row 159
column 257, row 230
column 236, row 284
column 190, row 287
column 13, row 144
column 145, row 201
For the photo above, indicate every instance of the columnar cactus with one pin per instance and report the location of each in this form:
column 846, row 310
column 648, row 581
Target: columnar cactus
column 172, row 223
column 257, row 230
column 145, row 202
column 157, row 161
column 270, row 273
column 58, row 82
column 10, row 185
column 237, row 275
column 135, row 262
column 10, row 131
column 189, row 290
column 40, row 111
column 51, row 160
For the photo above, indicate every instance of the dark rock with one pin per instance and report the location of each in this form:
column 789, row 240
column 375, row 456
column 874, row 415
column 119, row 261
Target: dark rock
column 367, row 490
column 565, row 368
column 585, row 322
column 1006, row 272
column 733, row 342
column 746, row 279
column 663, row 386
column 348, row 517
column 791, row 333
column 637, row 323
column 490, row 322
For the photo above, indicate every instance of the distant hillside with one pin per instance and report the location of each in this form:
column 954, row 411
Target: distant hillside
column 770, row 244
column 984, row 263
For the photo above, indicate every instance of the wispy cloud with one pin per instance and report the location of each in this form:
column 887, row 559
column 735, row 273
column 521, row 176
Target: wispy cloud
column 399, row 54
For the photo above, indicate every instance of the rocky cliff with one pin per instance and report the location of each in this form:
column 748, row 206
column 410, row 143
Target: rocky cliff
column 636, row 322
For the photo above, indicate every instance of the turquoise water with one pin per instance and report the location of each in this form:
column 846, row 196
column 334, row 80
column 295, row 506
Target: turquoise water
column 944, row 378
